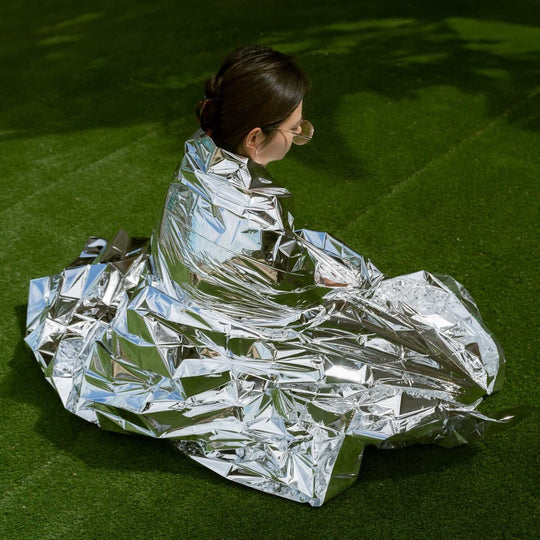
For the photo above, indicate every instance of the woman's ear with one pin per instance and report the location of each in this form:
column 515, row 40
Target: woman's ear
column 252, row 141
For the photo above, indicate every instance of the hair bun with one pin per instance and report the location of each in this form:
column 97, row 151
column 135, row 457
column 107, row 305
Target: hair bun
column 208, row 109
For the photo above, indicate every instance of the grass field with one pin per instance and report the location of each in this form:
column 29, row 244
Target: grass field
column 426, row 156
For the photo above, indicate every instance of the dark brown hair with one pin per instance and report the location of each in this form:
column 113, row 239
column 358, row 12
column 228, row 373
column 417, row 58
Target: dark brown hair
column 255, row 87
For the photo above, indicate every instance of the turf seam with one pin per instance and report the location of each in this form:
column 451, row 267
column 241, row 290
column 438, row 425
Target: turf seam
column 440, row 157
column 61, row 178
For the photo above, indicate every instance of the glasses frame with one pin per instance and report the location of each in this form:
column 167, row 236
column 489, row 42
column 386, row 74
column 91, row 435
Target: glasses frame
column 303, row 138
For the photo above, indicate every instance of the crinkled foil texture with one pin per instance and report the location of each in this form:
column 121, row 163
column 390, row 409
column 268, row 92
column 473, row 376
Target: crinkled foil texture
column 270, row 355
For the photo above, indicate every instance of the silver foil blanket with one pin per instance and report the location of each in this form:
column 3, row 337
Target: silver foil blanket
column 270, row 355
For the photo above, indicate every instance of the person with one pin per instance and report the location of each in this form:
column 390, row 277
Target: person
column 253, row 105
column 269, row 354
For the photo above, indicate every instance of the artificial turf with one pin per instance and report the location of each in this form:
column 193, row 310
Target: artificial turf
column 426, row 156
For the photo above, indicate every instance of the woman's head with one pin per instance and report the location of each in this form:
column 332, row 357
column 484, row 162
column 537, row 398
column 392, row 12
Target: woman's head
column 256, row 90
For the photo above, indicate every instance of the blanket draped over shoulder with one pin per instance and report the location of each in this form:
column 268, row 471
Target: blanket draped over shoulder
column 270, row 355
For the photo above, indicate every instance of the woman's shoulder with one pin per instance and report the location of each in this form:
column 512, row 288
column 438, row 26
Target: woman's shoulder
column 217, row 166
column 261, row 181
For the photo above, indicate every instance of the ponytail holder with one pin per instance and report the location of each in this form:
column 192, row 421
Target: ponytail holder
column 203, row 105
column 204, row 101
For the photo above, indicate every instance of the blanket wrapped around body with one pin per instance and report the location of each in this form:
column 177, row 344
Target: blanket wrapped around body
column 271, row 355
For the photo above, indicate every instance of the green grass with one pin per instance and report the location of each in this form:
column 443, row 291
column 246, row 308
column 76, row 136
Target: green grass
column 426, row 156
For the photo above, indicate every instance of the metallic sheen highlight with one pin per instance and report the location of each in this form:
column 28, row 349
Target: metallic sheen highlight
column 224, row 334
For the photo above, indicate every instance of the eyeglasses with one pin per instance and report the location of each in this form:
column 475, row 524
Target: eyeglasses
column 305, row 135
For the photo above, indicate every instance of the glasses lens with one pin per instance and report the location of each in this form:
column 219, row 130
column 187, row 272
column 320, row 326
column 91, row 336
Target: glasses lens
column 306, row 133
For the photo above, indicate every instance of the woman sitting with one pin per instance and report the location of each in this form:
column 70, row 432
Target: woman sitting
column 271, row 355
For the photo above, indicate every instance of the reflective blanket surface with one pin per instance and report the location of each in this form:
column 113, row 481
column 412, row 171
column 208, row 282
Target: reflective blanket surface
column 270, row 355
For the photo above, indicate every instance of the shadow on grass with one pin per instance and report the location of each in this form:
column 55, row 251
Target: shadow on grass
column 101, row 449
column 129, row 63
